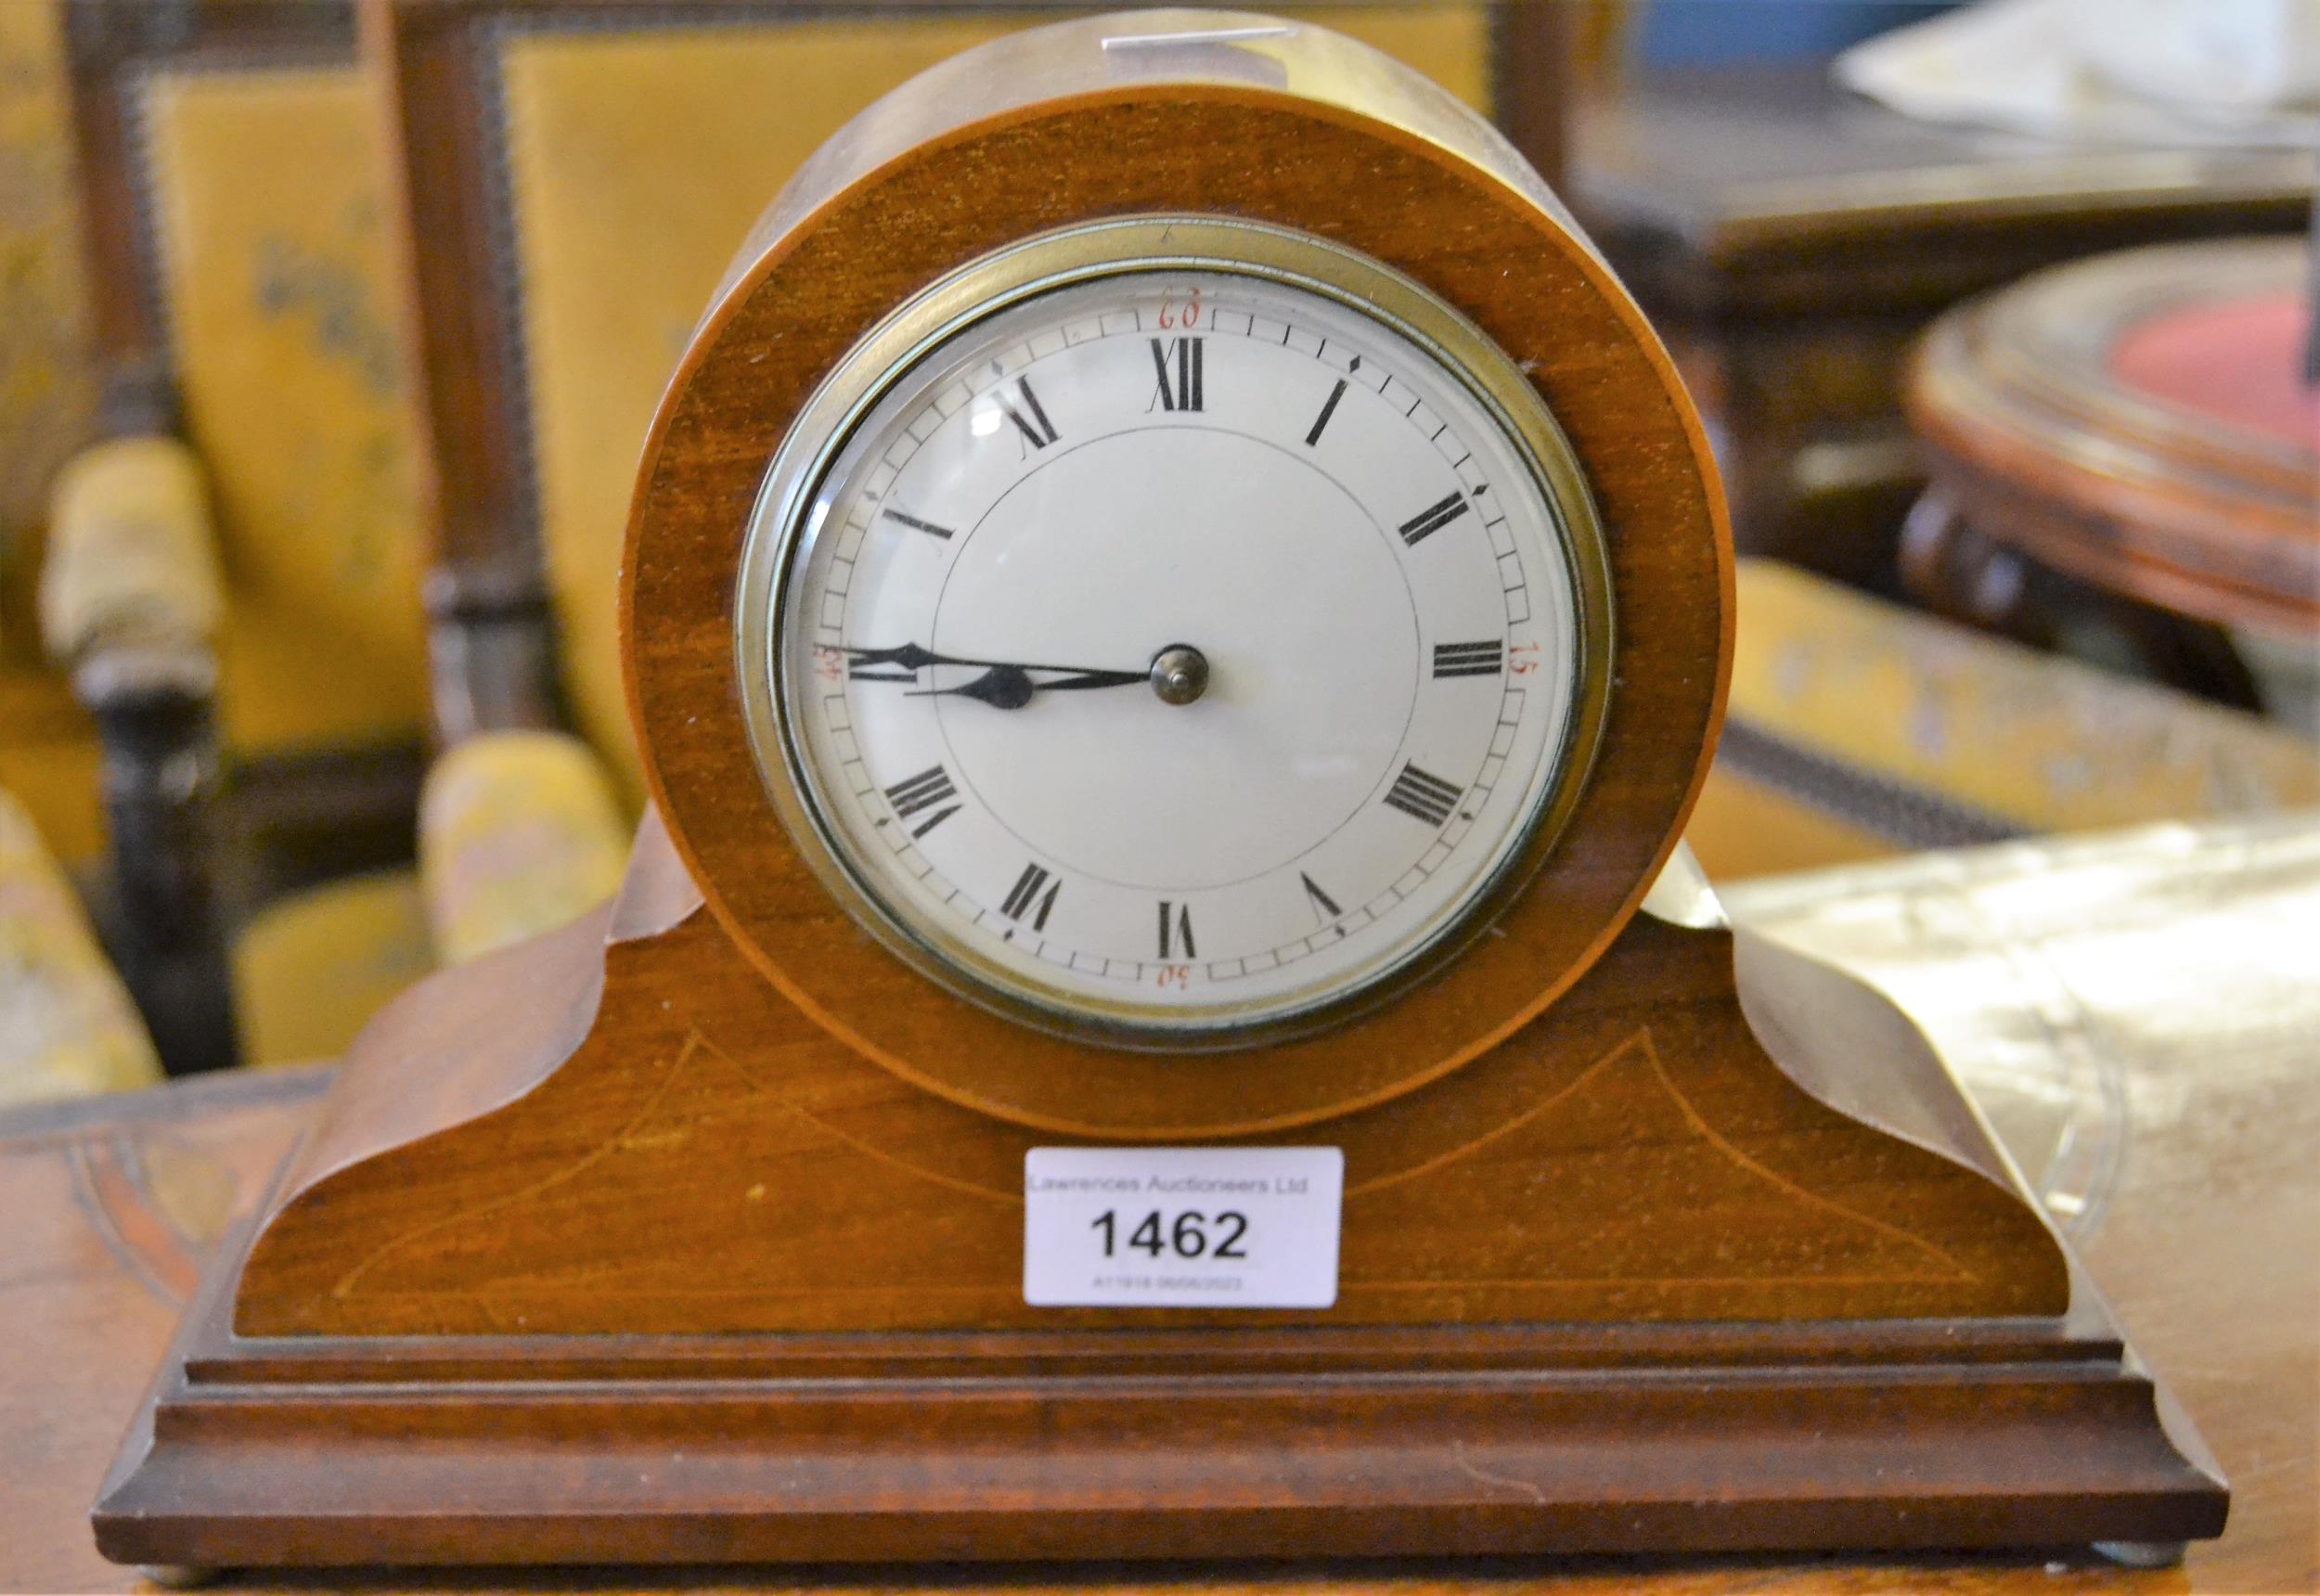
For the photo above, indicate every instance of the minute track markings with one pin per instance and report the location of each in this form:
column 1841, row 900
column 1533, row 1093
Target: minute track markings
column 1329, row 405
column 1031, row 900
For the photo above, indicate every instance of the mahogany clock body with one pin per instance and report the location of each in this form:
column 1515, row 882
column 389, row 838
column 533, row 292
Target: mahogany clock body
column 693, row 1233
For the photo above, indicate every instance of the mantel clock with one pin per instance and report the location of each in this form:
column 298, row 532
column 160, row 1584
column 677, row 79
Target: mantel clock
column 1174, row 613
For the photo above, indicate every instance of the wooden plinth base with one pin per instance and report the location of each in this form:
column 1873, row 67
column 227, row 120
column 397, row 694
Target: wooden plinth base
column 363, row 1417
column 1159, row 1445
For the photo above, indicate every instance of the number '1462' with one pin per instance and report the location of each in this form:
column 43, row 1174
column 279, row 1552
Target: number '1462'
column 1192, row 1234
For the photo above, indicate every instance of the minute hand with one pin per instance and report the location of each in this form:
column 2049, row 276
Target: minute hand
column 911, row 657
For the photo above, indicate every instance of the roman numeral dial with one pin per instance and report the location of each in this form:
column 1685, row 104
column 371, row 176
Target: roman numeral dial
column 1323, row 905
column 1423, row 795
column 1176, row 930
column 1034, row 895
column 915, row 524
column 1329, row 405
column 929, row 789
column 1483, row 658
column 1177, row 362
column 1433, row 518
column 1181, row 646
column 1020, row 404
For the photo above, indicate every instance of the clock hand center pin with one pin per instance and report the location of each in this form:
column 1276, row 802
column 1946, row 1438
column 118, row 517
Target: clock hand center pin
column 1179, row 674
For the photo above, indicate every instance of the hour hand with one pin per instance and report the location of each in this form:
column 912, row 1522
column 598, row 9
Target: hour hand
column 1011, row 687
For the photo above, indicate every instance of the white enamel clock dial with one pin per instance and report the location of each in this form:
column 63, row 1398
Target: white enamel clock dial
column 1178, row 649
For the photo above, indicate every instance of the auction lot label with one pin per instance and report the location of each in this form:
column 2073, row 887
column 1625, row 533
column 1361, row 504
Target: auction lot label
column 1181, row 1226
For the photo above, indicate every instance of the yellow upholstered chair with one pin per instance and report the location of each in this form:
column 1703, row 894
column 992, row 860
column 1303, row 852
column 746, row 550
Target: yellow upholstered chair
column 519, row 832
column 248, row 288
column 67, row 1026
column 48, row 753
column 1858, row 729
column 232, row 571
column 573, row 132
column 231, row 568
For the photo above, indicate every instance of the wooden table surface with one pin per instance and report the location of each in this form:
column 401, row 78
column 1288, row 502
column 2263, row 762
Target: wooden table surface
column 2139, row 1015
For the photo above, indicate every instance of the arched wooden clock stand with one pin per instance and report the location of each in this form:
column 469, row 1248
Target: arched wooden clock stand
column 693, row 1232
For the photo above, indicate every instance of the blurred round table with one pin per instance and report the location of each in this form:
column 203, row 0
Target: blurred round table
column 2133, row 428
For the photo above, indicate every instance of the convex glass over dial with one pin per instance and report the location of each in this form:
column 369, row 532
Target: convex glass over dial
column 1173, row 628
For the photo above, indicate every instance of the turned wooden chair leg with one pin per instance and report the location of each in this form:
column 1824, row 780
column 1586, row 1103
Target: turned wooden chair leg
column 131, row 600
column 1964, row 576
column 164, row 928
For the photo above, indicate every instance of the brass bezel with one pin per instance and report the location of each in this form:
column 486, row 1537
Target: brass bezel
column 778, row 543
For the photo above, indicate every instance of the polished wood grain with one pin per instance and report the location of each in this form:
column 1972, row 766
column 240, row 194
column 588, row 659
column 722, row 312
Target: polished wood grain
column 707, row 1160
column 693, row 1233
column 2206, row 1193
